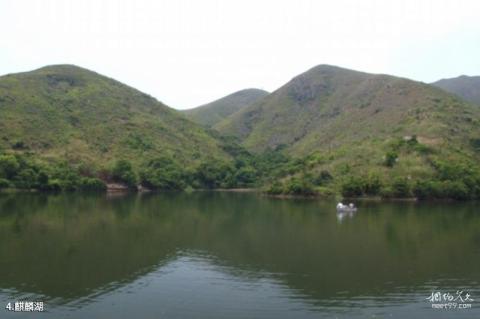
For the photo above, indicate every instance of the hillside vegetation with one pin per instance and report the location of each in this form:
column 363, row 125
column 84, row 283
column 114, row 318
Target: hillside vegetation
column 327, row 131
column 61, row 120
column 212, row 113
column 345, row 128
column 467, row 87
column 71, row 113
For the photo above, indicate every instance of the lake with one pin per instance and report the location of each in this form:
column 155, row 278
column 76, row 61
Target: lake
column 235, row 255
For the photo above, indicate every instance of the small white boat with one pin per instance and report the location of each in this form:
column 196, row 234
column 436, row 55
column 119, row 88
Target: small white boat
column 346, row 208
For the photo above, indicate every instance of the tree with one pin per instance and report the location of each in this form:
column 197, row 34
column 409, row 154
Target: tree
column 323, row 178
column 354, row 186
column 456, row 190
column 213, row 174
column 4, row 183
column 26, row 179
column 122, row 172
column 275, row 188
column 9, row 166
column 92, row 184
column 299, row 186
column 162, row 173
column 245, row 176
column 42, row 180
column 372, row 184
column 400, row 187
column 427, row 189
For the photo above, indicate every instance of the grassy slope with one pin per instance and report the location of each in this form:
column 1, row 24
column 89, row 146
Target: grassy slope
column 347, row 121
column 467, row 87
column 66, row 112
column 212, row 113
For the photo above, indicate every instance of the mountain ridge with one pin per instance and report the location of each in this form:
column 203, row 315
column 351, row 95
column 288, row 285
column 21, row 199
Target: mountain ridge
column 66, row 111
column 467, row 87
column 354, row 131
column 318, row 97
column 211, row 113
column 329, row 130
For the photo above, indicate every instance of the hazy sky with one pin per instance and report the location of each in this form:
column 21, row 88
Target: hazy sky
column 186, row 53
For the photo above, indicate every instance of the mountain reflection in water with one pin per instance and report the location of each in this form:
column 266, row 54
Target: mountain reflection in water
column 229, row 255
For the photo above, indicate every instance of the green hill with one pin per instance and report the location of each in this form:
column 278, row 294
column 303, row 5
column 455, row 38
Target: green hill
column 326, row 131
column 467, row 87
column 329, row 107
column 212, row 113
column 349, row 123
column 72, row 113
column 66, row 114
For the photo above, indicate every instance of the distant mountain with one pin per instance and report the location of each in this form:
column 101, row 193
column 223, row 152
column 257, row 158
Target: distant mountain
column 349, row 122
column 213, row 112
column 467, row 87
column 67, row 112
column 329, row 107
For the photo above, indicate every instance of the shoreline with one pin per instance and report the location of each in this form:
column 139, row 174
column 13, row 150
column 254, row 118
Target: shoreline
column 123, row 191
column 229, row 190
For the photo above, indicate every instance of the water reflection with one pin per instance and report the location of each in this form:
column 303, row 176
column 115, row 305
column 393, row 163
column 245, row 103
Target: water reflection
column 341, row 216
column 253, row 255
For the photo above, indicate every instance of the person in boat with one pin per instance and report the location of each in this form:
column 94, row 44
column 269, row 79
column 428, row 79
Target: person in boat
column 349, row 207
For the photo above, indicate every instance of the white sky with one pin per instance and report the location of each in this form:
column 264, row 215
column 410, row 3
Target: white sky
column 186, row 53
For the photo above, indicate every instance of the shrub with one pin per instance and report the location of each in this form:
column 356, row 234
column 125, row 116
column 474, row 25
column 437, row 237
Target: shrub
column 386, row 192
column 54, row 185
column 475, row 143
column 9, row 166
column 275, row 188
column 391, row 158
column 67, row 178
column 323, row 178
column 325, row 191
column 92, row 184
column 245, row 176
column 423, row 149
column 26, row 179
column 162, row 173
column 453, row 170
column 297, row 186
column 4, row 183
column 122, row 172
column 427, row 190
column 18, row 145
column 372, row 184
column 413, row 141
column 400, row 187
column 474, row 185
column 42, row 180
column 213, row 175
column 455, row 190
column 458, row 180
column 354, row 186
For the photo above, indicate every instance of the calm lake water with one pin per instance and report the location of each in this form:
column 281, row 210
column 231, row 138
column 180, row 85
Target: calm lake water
column 234, row 255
